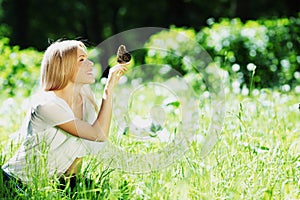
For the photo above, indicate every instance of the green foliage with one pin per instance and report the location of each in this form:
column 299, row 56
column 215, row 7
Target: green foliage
column 170, row 46
column 179, row 54
column 32, row 23
column 19, row 69
column 270, row 47
column 258, row 153
column 256, row 54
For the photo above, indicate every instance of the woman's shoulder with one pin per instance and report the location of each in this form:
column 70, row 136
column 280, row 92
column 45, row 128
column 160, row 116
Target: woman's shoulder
column 45, row 98
column 48, row 110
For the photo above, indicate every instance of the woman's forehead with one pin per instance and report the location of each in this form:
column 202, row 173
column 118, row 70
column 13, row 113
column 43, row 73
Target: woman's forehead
column 81, row 51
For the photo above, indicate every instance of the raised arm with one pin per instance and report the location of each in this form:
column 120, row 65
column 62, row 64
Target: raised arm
column 99, row 130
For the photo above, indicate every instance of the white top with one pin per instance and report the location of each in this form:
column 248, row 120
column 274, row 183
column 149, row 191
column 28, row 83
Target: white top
column 45, row 144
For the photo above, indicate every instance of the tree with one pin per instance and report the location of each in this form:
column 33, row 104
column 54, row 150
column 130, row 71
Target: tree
column 33, row 22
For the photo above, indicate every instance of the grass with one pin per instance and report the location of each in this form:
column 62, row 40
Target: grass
column 256, row 157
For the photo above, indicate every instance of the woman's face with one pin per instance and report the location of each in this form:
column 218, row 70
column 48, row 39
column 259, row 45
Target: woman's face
column 84, row 74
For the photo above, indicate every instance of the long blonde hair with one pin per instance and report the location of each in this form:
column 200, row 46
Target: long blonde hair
column 58, row 67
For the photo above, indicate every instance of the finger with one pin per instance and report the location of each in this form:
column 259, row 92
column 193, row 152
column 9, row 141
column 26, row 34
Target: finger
column 120, row 73
column 123, row 67
column 123, row 70
column 125, row 64
column 120, row 67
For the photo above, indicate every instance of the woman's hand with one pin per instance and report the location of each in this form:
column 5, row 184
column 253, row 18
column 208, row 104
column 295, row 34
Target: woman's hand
column 114, row 75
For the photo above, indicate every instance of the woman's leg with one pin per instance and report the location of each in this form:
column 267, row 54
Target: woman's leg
column 77, row 185
column 11, row 186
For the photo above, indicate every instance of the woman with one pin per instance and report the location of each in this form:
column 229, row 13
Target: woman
column 62, row 126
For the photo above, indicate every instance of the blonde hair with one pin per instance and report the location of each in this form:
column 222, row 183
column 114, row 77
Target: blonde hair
column 58, row 64
column 58, row 67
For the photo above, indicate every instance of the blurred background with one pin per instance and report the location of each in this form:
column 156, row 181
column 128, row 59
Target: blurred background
column 256, row 42
column 30, row 23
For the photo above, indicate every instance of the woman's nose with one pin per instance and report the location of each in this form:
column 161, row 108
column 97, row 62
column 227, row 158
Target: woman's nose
column 91, row 63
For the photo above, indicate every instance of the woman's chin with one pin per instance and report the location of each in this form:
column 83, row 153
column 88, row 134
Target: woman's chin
column 91, row 81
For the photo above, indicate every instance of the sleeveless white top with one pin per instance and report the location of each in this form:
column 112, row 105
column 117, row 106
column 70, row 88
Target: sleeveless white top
column 47, row 146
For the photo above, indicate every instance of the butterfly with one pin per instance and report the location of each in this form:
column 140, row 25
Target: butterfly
column 123, row 55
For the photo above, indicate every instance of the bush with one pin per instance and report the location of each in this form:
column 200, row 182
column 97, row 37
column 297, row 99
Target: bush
column 170, row 47
column 179, row 54
column 261, row 54
column 19, row 69
column 268, row 48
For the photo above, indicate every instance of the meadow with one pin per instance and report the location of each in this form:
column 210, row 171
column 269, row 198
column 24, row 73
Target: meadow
column 257, row 156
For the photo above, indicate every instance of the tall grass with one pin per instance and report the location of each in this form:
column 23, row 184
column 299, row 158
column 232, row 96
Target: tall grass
column 256, row 157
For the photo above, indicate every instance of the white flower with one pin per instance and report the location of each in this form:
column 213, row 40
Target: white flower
column 297, row 75
column 206, row 94
column 251, row 67
column 245, row 90
column 138, row 191
column 286, row 88
column 297, row 89
column 235, row 67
